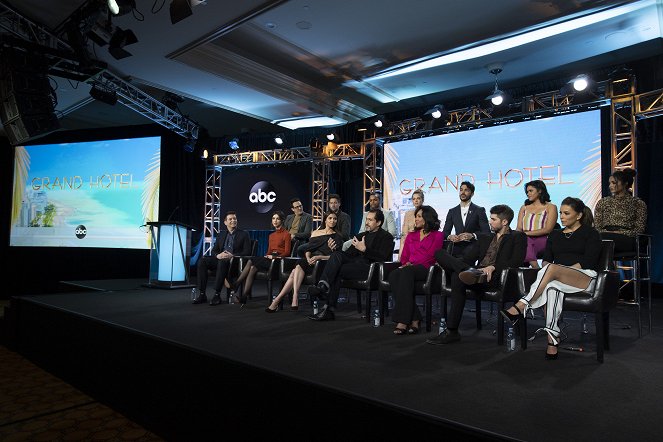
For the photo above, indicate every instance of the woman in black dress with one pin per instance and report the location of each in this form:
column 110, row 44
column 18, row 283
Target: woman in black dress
column 322, row 243
column 570, row 264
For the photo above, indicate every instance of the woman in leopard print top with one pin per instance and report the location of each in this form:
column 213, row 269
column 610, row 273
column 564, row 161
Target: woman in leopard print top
column 621, row 216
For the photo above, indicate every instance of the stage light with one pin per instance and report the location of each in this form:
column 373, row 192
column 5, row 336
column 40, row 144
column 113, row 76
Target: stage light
column 379, row 121
column 205, row 154
column 331, row 136
column 580, row 83
column 181, row 9
column 119, row 40
column 190, row 145
column 234, row 144
column 104, row 95
column 436, row 112
column 121, row 7
column 497, row 97
column 278, row 139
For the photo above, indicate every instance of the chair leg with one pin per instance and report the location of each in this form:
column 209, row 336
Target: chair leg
column 500, row 327
column 606, row 330
column 368, row 304
column 270, row 290
column 383, row 299
column 429, row 311
column 477, row 306
column 600, row 331
column 359, row 301
column 523, row 332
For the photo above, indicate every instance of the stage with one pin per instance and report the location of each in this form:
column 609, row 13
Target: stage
column 189, row 372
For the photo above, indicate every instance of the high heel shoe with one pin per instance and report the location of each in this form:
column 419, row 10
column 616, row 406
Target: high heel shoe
column 269, row 310
column 510, row 316
column 294, row 308
column 555, row 343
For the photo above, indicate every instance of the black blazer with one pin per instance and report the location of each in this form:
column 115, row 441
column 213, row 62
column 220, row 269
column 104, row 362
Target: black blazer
column 477, row 221
column 510, row 253
column 379, row 246
column 241, row 245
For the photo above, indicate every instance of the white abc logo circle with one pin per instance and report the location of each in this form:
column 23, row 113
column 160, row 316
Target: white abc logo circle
column 261, row 197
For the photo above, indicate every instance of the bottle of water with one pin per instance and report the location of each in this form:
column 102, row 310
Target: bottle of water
column 443, row 325
column 510, row 340
column 194, row 294
column 315, row 307
column 376, row 317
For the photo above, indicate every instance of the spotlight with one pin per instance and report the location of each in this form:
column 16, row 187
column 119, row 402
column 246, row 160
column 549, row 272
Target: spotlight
column 104, row 95
column 497, row 97
column 580, row 83
column 379, row 121
column 121, row 7
column 205, row 154
column 234, row 144
column 181, row 9
column 331, row 136
column 436, row 112
column 190, row 145
column 119, row 40
column 279, row 139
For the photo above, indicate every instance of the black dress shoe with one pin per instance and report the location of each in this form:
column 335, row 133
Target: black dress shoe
column 472, row 276
column 323, row 315
column 216, row 299
column 446, row 337
column 199, row 298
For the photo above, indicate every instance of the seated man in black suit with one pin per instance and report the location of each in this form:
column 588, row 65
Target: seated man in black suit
column 493, row 252
column 466, row 219
column 374, row 244
column 228, row 243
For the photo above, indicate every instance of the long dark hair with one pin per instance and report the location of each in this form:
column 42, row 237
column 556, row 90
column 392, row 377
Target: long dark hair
column 431, row 221
column 578, row 206
column 323, row 226
column 625, row 176
column 539, row 185
column 281, row 216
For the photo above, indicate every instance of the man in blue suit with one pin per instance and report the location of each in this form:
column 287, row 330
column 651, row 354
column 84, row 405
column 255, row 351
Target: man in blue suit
column 228, row 243
column 466, row 219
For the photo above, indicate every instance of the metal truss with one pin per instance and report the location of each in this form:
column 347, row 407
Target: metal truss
column 212, row 218
column 649, row 104
column 144, row 104
column 65, row 61
column 320, row 189
column 264, row 156
column 373, row 163
column 621, row 92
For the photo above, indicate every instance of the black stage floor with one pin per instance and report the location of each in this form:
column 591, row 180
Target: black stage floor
column 279, row 369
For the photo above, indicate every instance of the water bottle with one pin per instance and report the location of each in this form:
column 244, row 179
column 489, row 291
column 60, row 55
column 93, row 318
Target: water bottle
column 443, row 325
column 376, row 317
column 194, row 293
column 315, row 307
column 510, row 340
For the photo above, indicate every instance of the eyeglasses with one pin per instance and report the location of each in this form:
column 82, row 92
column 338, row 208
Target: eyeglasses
column 297, row 207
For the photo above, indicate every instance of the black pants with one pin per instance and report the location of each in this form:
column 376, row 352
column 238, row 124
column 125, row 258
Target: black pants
column 210, row 262
column 402, row 282
column 342, row 265
column 454, row 266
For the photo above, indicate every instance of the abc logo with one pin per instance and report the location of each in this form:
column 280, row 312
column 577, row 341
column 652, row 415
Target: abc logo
column 81, row 231
column 262, row 196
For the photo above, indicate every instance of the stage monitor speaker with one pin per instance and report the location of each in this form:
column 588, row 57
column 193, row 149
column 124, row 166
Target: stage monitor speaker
column 26, row 97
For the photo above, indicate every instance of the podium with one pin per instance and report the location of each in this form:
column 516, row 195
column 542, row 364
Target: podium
column 170, row 254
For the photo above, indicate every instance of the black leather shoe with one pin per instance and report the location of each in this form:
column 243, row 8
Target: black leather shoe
column 472, row 276
column 446, row 337
column 323, row 315
column 216, row 299
column 199, row 298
